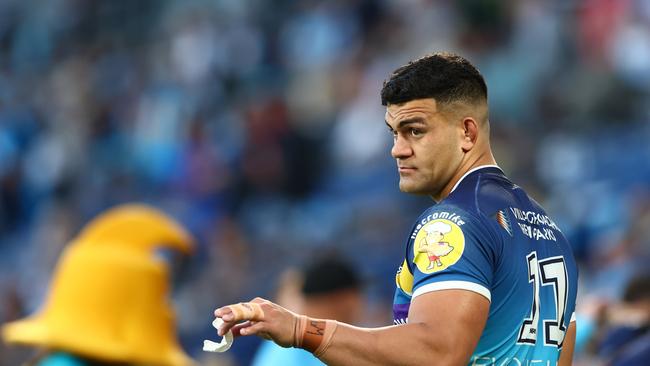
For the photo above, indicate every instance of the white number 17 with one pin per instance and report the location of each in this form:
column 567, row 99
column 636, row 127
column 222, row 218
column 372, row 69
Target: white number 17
column 553, row 273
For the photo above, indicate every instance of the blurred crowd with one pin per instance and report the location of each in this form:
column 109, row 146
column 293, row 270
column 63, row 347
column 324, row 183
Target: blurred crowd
column 258, row 125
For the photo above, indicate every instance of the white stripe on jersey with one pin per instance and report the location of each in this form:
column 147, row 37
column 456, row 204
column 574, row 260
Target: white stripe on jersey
column 452, row 285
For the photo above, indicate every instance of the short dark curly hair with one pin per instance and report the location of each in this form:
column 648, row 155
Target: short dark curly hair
column 445, row 77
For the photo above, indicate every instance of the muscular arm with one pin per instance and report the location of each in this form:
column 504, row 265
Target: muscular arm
column 444, row 328
column 566, row 355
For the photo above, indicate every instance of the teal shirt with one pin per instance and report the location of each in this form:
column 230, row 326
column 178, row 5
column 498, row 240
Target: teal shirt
column 270, row 354
column 61, row 359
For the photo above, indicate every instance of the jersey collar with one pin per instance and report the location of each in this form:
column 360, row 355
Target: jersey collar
column 472, row 171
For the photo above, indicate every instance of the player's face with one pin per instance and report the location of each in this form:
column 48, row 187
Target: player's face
column 426, row 146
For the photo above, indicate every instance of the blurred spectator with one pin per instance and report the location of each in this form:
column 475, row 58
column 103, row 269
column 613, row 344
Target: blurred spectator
column 330, row 288
column 627, row 338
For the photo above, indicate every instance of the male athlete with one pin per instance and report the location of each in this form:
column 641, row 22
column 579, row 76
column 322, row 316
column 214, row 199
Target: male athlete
column 503, row 295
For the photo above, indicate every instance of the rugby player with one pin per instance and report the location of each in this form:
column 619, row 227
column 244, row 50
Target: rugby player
column 487, row 277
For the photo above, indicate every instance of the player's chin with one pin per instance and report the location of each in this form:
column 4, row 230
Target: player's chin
column 409, row 186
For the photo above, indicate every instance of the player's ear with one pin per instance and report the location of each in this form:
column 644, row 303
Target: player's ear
column 470, row 130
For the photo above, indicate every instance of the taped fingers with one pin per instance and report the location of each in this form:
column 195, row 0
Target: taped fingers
column 247, row 311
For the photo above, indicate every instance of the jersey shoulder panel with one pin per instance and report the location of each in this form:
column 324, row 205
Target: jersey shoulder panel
column 450, row 248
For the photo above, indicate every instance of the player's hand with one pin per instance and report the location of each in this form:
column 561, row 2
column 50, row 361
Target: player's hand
column 259, row 317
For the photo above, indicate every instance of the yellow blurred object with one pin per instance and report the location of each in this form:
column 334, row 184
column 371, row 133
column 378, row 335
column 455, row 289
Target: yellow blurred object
column 108, row 298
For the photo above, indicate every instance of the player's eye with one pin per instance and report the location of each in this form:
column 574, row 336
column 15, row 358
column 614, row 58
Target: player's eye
column 415, row 132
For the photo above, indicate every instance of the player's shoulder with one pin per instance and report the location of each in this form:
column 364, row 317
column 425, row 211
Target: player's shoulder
column 477, row 190
column 482, row 191
column 477, row 197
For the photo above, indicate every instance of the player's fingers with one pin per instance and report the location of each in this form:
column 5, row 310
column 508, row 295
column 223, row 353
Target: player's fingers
column 257, row 328
column 224, row 313
column 247, row 311
column 238, row 327
column 240, row 312
column 225, row 327
column 258, row 300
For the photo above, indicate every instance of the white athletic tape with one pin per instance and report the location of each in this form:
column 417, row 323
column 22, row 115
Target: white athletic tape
column 222, row 346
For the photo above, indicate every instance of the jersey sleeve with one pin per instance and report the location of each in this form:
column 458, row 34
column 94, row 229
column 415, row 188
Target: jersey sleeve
column 452, row 249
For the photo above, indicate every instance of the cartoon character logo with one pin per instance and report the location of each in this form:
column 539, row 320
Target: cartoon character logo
column 404, row 278
column 433, row 243
column 439, row 244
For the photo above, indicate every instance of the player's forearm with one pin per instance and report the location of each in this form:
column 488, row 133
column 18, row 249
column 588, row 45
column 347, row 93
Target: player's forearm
column 566, row 355
column 408, row 344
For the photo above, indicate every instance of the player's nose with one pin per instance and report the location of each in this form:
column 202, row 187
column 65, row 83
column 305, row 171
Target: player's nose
column 401, row 149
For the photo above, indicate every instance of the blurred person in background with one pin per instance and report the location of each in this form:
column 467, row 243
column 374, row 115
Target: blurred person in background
column 11, row 308
column 108, row 300
column 329, row 288
column 626, row 341
column 503, row 286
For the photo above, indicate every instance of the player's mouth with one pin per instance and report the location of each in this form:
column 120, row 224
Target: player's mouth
column 406, row 169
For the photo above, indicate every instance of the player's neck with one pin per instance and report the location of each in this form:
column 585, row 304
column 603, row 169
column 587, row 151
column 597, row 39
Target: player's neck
column 486, row 158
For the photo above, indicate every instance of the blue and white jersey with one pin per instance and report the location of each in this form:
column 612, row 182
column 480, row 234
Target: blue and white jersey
column 488, row 236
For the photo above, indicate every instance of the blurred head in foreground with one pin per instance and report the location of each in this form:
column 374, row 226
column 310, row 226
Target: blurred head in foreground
column 332, row 289
column 108, row 298
column 626, row 339
column 327, row 287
